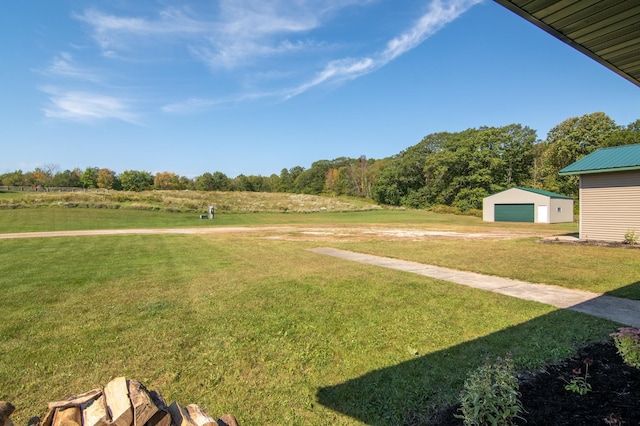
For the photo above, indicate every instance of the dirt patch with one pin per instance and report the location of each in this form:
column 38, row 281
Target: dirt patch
column 390, row 234
column 294, row 233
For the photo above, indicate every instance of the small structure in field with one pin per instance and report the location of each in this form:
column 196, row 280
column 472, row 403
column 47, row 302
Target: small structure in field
column 520, row 204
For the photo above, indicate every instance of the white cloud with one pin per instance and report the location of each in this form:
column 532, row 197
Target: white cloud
column 438, row 15
column 85, row 106
column 64, row 65
column 237, row 33
column 231, row 34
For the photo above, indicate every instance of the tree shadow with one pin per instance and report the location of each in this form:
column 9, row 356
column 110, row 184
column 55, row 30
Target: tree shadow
column 631, row 291
column 412, row 391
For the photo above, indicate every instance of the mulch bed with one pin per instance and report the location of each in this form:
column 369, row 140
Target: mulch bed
column 614, row 399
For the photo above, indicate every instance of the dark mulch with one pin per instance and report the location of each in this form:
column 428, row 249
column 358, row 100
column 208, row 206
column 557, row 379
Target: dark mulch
column 614, row 399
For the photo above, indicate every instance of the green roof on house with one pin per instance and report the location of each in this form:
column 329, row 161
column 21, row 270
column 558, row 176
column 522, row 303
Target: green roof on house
column 543, row 192
column 614, row 159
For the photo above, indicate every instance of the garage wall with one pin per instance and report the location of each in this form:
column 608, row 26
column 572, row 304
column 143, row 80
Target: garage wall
column 559, row 209
column 510, row 196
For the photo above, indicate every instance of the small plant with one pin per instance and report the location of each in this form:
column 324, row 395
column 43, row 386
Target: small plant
column 627, row 341
column 631, row 237
column 613, row 420
column 490, row 395
column 578, row 382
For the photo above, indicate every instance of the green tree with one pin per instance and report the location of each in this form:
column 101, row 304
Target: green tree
column 67, row 179
column 15, row 178
column 568, row 142
column 625, row 135
column 89, row 178
column 312, row 180
column 133, row 180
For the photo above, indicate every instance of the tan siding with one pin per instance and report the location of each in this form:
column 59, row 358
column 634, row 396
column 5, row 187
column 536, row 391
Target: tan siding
column 609, row 205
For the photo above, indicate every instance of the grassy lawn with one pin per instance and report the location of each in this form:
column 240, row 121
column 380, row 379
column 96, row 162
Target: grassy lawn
column 262, row 328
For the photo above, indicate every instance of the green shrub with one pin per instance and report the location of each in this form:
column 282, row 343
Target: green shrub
column 491, row 394
column 631, row 237
column 627, row 341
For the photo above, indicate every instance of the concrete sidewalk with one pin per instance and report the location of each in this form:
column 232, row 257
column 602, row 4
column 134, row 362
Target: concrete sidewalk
column 624, row 311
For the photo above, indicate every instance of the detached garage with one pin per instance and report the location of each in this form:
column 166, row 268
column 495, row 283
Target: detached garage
column 520, row 204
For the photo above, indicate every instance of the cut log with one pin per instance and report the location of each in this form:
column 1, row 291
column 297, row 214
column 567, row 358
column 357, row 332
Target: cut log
column 162, row 417
column 180, row 415
column 94, row 412
column 199, row 417
column 76, row 400
column 48, row 418
column 116, row 395
column 143, row 406
column 6, row 408
column 71, row 416
column 228, row 420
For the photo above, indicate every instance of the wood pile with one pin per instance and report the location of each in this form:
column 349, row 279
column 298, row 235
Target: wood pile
column 120, row 403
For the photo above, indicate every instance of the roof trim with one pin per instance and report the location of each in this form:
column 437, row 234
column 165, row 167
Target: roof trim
column 510, row 4
column 592, row 171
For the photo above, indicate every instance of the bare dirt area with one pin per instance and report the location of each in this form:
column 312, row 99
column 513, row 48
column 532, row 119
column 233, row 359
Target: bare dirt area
column 294, row 233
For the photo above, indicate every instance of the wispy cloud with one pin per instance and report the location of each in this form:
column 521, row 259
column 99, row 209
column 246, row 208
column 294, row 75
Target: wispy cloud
column 237, row 33
column 85, row 106
column 242, row 36
column 438, row 15
column 64, row 65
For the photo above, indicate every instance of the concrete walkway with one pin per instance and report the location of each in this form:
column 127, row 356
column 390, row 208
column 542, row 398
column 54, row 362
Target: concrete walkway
column 623, row 311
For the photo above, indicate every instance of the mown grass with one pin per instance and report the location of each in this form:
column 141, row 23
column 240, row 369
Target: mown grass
column 258, row 327
column 269, row 331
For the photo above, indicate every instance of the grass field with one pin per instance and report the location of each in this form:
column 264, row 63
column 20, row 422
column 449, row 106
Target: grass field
column 267, row 330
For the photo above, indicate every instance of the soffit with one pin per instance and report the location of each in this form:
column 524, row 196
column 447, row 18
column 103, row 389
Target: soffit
column 608, row 31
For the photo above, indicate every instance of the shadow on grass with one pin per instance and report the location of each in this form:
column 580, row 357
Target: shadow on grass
column 410, row 392
column 631, row 291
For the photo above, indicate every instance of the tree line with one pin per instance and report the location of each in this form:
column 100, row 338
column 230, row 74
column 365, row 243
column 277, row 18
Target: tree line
column 454, row 169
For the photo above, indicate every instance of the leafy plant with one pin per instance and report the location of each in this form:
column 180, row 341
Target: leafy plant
column 578, row 382
column 631, row 237
column 627, row 341
column 491, row 394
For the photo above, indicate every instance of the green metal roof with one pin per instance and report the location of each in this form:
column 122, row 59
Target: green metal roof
column 543, row 192
column 538, row 191
column 615, row 159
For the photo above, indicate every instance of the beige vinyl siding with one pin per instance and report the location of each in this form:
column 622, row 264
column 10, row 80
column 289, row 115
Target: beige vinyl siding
column 609, row 205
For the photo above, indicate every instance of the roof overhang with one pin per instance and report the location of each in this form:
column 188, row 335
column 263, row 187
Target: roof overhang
column 607, row 31
column 590, row 172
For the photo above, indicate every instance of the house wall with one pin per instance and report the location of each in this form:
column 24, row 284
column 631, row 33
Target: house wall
column 609, row 205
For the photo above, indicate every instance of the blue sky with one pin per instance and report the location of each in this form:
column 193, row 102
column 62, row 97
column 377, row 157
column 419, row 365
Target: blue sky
column 255, row 86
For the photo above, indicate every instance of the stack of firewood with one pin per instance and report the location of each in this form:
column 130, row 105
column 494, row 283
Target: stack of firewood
column 121, row 403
